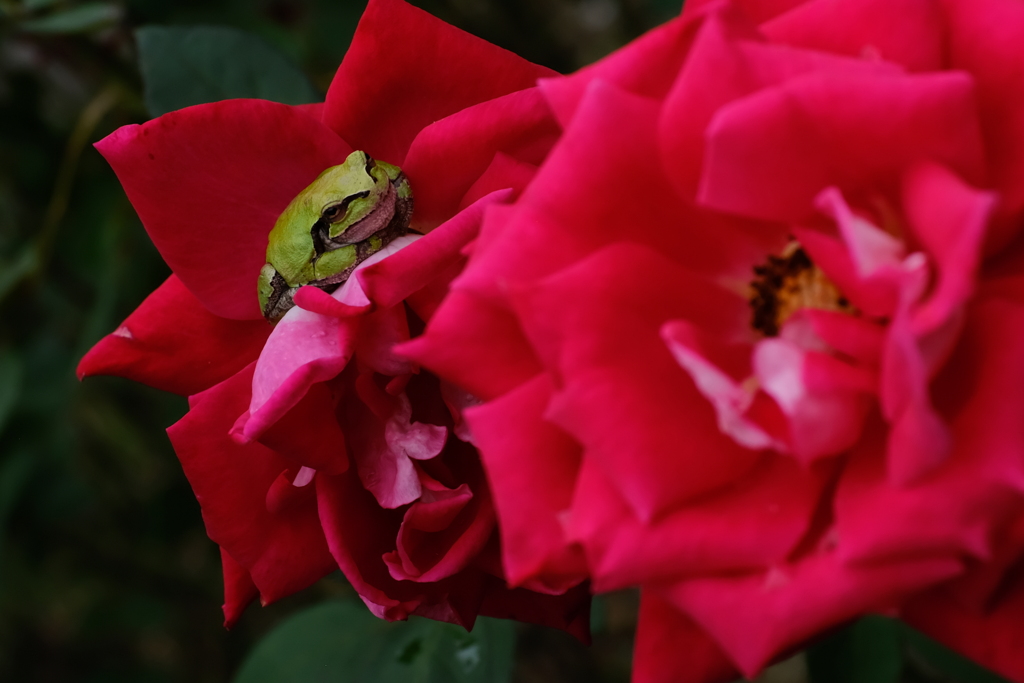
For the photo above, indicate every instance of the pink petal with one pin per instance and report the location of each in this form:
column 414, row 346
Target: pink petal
column 824, row 399
column 351, row 291
column 304, row 348
column 732, row 397
column 379, row 333
column 173, row 343
column 872, row 250
column 316, row 300
column 857, row 338
column 283, row 550
column 406, row 69
column 210, row 181
column 384, row 447
column 919, row 440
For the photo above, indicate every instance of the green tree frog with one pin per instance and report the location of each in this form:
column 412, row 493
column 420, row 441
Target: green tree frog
column 350, row 212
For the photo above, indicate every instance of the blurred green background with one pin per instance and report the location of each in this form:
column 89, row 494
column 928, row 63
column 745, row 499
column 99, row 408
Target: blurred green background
column 106, row 573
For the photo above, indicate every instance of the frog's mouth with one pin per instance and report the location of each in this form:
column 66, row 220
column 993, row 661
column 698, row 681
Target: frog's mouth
column 368, row 236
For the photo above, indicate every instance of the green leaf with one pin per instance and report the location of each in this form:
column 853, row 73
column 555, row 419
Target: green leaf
column 182, row 66
column 341, row 642
column 930, row 660
column 867, row 651
column 82, row 19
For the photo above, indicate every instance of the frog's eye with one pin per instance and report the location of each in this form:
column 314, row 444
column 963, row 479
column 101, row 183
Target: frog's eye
column 335, row 212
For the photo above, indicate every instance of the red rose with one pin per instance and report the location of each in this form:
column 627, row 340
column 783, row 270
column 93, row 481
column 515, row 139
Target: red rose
column 751, row 337
column 310, row 446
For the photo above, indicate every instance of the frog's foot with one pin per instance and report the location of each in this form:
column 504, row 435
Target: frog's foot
column 275, row 294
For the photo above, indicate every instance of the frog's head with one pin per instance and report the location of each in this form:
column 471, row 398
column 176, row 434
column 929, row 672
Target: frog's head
column 348, row 213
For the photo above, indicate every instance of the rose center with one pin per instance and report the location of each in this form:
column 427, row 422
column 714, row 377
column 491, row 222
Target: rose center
column 785, row 284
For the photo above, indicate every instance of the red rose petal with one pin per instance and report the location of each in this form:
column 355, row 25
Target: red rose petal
column 359, row 532
column 283, row 552
column 756, row 617
column 723, row 67
column 984, row 39
column 670, row 648
column 770, row 154
column 757, row 11
column 402, row 54
column 950, row 219
column 951, row 511
column 755, row 523
column 486, row 359
column 443, row 532
column 569, row 611
column 667, row 46
column 209, row 182
column 503, row 172
column 533, row 540
column 908, row 32
column 396, row 278
column 309, row 433
column 621, row 393
column 239, row 590
column 448, row 156
column 574, row 205
column 991, row 638
column 173, row 343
